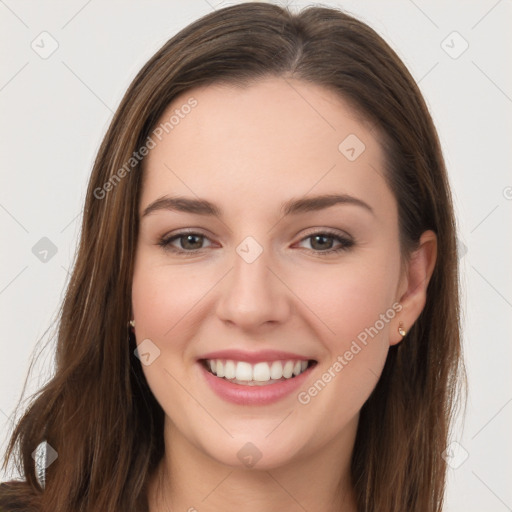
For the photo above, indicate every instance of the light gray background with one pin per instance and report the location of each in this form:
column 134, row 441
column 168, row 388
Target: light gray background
column 56, row 110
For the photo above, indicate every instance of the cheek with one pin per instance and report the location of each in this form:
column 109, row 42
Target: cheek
column 355, row 308
column 163, row 300
column 163, row 296
column 348, row 299
column 159, row 301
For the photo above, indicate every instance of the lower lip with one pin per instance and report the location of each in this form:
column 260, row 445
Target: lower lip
column 253, row 395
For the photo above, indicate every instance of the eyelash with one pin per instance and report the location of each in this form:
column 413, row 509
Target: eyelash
column 347, row 243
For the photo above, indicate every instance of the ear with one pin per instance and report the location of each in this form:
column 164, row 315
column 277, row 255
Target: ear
column 412, row 289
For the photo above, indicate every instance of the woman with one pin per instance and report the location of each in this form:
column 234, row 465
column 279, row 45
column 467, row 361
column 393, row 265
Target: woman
column 263, row 313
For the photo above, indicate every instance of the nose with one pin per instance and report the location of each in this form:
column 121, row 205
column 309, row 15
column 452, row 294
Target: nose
column 253, row 293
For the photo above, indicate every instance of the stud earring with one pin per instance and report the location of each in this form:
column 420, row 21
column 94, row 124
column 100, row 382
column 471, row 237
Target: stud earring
column 401, row 329
column 132, row 323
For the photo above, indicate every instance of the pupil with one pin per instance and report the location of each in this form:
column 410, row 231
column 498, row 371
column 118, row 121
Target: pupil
column 191, row 237
column 316, row 237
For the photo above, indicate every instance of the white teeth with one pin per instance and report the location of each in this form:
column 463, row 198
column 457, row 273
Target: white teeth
column 229, row 370
column 288, row 369
column 243, row 371
column 276, row 370
column 260, row 372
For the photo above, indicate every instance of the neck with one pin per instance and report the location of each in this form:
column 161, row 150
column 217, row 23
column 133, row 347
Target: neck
column 188, row 479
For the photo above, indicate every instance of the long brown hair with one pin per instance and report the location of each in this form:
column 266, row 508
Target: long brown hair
column 98, row 411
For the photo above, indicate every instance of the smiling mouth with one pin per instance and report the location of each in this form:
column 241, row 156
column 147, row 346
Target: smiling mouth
column 258, row 374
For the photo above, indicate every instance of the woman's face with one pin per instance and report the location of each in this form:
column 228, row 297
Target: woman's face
column 274, row 280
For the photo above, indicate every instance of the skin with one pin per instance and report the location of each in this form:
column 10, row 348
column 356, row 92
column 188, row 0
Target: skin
column 248, row 150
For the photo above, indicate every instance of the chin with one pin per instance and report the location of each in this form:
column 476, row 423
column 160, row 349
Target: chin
column 254, row 452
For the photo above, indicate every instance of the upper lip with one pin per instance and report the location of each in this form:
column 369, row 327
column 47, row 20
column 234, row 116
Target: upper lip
column 255, row 357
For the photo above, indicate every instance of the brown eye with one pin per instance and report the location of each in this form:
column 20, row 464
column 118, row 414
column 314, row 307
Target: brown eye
column 191, row 242
column 187, row 242
column 322, row 242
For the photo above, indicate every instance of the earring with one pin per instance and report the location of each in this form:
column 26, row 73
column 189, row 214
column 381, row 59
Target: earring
column 401, row 329
column 132, row 323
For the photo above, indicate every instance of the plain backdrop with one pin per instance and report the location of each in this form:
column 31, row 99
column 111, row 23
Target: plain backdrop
column 64, row 69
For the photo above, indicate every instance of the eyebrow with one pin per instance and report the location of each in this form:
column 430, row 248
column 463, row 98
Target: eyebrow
column 290, row 207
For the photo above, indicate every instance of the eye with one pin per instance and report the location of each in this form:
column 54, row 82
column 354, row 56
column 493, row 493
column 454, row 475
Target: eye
column 322, row 242
column 189, row 241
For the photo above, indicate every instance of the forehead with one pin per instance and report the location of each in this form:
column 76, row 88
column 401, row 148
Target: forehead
column 274, row 139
